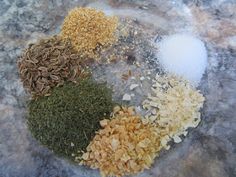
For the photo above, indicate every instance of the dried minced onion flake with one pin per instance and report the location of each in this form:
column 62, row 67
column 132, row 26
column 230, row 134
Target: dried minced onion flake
column 173, row 105
column 125, row 145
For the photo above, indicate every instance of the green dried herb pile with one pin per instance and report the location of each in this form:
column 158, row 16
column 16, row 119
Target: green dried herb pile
column 49, row 63
column 66, row 121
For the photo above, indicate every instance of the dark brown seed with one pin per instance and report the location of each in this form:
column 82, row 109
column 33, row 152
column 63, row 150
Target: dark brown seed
column 47, row 64
column 40, row 85
column 45, row 74
column 73, row 56
column 42, row 68
column 23, row 71
column 54, row 77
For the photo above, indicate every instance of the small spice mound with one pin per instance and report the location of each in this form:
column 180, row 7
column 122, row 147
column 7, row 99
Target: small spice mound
column 124, row 146
column 66, row 121
column 89, row 29
column 174, row 105
column 49, row 63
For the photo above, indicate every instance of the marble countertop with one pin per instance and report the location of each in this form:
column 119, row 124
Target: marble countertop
column 208, row 151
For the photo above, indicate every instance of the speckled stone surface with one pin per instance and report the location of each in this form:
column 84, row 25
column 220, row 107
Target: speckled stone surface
column 208, row 151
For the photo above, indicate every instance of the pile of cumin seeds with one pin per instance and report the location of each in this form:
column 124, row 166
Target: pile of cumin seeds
column 49, row 63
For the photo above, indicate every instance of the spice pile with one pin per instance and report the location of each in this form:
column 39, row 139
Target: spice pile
column 124, row 146
column 174, row 105
column 72, row 115
column 49, row 63
column 66, row 121
column 88, row 30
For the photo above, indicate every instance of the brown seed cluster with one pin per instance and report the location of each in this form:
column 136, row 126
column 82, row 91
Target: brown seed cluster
column 49, row 63
column 89, row 30
column 124, row 146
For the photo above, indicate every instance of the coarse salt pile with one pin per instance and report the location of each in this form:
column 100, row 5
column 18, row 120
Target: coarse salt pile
column 183, row 55
column 124, row 146
column 174, row 105
column 89, row 29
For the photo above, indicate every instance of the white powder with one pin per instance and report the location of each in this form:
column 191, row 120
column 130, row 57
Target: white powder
column 185, row 56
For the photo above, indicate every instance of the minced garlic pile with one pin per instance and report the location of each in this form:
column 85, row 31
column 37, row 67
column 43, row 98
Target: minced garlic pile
column 89, row 29
column 174, row 105
column 124, row 146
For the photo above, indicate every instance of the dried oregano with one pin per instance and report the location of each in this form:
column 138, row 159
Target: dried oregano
column 89, row 29
column 66, row 121
column 49, row 63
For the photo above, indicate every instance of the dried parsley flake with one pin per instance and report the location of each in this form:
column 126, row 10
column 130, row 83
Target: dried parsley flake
column 66, row 121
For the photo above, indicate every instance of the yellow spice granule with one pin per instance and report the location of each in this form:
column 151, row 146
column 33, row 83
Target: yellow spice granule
column 173, row 105
column 89, row 29
column 124, row 146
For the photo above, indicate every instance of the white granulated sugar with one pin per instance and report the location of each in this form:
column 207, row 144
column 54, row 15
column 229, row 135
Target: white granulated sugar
column 185, row 56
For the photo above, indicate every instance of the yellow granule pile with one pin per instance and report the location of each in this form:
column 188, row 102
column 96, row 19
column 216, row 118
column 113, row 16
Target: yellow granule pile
column 124, row 146
column 89, row 29
column 173, row 105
